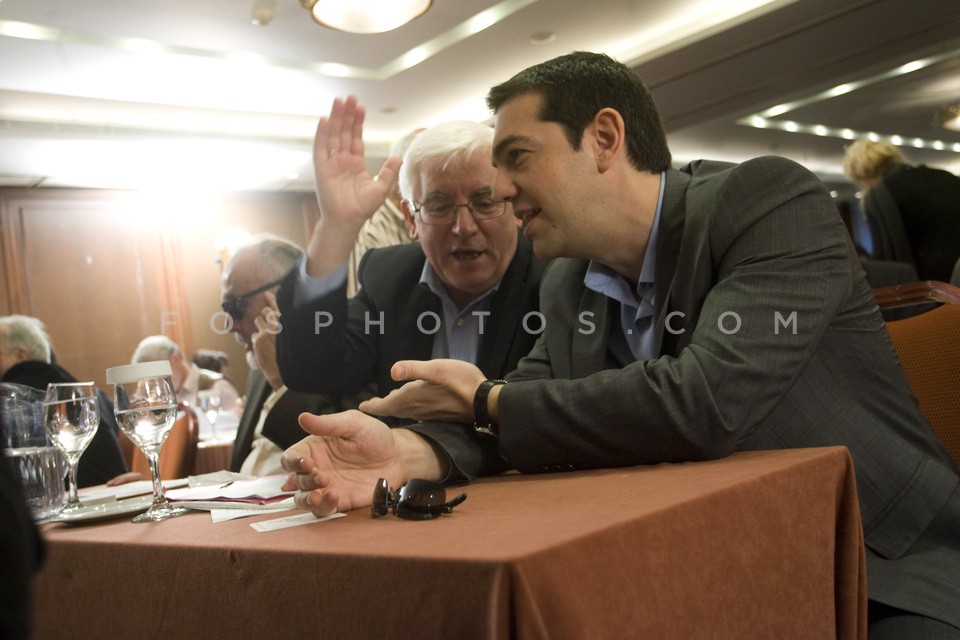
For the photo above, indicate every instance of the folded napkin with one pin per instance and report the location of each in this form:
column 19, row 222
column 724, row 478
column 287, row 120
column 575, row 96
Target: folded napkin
column 259, row 491
column 100, row 495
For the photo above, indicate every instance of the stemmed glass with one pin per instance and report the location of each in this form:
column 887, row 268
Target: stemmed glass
column 208, row 401
column 71, row 416
column 146, row 408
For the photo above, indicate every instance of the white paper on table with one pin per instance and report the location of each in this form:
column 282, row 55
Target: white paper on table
column 292, row 521
column 258, row 488
column 222, row 515
column 217, row 477
column 128, row 490
column 208, row 505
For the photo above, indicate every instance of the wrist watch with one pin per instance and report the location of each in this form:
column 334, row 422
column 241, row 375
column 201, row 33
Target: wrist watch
column 481, row 417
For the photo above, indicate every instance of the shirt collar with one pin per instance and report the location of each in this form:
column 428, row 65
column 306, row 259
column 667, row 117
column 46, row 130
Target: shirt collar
column 603, row 279
column 430, row 280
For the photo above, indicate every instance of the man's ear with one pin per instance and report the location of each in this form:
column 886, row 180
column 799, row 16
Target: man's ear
column 609, row 137
column 21, row 354
column 408, row 215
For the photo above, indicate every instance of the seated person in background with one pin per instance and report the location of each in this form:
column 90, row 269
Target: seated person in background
column 218, row 361
column 187, row 377
column 689, row 313
column 269, row 421
column 26, row 358
column 212, row 360
column 913, row 211
column 463, row 291
column 386, row 227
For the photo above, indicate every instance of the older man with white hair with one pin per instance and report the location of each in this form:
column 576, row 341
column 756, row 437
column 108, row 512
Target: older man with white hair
column 188, row 379
column 468, row 289
column 26, row 357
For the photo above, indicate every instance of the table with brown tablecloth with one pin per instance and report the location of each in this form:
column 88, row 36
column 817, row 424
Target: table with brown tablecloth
column 757, row 545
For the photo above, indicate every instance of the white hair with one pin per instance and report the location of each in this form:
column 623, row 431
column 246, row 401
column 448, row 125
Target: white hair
column 27, row 332
column 454, row 142
column 154, row 348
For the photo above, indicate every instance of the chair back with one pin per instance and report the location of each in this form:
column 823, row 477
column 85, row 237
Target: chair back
column 179, row 454
column 928, row 346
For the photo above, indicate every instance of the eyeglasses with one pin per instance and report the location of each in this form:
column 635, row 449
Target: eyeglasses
column 417, row 499
column 442, row 212
column 235, row 306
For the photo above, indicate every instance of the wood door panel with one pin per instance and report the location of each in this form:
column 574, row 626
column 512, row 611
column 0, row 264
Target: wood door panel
column 96, row 277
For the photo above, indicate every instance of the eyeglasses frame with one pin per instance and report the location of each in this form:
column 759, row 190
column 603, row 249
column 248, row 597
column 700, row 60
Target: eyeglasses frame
column 418, row 209
column 238, row 303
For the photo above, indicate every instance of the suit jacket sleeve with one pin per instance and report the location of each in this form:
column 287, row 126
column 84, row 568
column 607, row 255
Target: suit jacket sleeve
column 468, row 453
column 323, row 346
column 281, row 425
column 339, row 345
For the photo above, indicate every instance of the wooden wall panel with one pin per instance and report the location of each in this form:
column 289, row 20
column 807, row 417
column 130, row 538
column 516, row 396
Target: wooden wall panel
column 103, row 269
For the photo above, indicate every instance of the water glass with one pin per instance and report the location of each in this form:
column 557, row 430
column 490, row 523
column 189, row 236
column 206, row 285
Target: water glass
column 26, row 443
column 146, row 407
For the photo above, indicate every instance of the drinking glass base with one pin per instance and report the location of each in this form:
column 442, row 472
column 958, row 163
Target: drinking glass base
column 160, row 512
column 71, row 507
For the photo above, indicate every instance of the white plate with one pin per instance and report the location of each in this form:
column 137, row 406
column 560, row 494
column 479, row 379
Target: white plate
column 106, row 510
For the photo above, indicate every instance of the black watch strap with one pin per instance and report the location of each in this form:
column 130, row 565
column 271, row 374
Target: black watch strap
column 481, row 417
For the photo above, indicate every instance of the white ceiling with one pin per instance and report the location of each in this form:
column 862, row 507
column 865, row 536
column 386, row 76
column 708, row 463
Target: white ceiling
column 187, row 93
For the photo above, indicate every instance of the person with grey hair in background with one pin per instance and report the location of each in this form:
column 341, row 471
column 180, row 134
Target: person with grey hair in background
column 188, row 379
column 26, row 357
column 269, row 421
column 464, row 290
column 913, row 211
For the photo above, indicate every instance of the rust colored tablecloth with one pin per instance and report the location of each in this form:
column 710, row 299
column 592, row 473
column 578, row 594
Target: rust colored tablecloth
column 757, row 545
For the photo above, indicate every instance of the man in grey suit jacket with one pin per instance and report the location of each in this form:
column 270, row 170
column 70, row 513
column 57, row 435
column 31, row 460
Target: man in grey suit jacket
column 462, row 291
column 695, row 313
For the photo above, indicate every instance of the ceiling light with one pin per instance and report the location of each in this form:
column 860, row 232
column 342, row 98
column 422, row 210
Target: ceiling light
column 365, row 16
column 543, row 37
column 950, row 117
column 263, row 13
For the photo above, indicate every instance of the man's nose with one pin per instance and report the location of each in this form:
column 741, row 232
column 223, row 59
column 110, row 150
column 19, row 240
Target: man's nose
column 503, row 187
column 464, row 224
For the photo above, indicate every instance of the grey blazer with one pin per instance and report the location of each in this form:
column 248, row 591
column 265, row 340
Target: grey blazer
column 768, row 337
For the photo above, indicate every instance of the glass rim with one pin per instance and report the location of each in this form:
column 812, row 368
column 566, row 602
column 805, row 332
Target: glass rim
column 138, row 371
column 69, row 384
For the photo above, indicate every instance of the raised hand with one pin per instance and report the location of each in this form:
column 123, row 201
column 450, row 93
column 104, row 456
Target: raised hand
column 347, row 194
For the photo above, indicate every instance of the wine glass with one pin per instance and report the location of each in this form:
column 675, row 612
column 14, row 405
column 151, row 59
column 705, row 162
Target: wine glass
column 71, row 416
column 146, row 408
column 208, row 401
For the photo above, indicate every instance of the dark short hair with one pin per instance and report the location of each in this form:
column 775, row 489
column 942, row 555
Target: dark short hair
column 211, row 359
column 576, row 86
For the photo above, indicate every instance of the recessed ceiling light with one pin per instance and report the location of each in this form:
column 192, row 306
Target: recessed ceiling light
column 543, row 37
